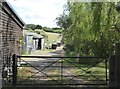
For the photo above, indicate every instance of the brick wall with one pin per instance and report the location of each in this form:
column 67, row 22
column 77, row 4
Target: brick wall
column 0, row 47
column 10, row 35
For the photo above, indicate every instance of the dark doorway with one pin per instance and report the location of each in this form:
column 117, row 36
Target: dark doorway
column 39, row 44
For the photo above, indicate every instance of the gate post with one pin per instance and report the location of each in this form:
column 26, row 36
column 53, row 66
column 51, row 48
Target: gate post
column 112, row 71
column 117, row 56
column 114, row 68
column 14, row 69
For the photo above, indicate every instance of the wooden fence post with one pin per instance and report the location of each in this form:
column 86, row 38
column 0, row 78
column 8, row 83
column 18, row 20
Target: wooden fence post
column 117, row 56
column 14, row 69
column 114, row 68
column 112, row 71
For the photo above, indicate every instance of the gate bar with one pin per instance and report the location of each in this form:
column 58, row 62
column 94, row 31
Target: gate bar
column 58, row 57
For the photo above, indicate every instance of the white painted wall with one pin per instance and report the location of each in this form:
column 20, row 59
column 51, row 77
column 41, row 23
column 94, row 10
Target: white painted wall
column 29, row 42
column 42, row 43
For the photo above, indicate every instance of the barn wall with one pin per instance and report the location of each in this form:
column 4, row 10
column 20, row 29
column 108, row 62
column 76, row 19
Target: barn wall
column 0, row 47
column 11, row 35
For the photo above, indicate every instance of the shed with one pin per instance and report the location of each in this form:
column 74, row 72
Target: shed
column 40, row 41
column 11, row 27
column 32, row 41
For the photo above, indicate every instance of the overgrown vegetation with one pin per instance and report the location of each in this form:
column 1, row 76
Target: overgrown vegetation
column 90, row 28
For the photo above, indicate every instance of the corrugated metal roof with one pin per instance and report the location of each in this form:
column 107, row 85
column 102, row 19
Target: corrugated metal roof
column 35, row 35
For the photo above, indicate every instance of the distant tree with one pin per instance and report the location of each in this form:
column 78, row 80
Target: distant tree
column 38, row 27
column 56, row 28
column 63, row 21
column 30, row 26
column 45, row 28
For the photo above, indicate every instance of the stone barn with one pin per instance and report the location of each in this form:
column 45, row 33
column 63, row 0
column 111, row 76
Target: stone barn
column 11, row 29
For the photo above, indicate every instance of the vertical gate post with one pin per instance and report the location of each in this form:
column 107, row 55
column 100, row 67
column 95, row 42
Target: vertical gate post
column 112, row 71
column 61, row 71
column 14, row 69
column 117, row 55
column 114, row 68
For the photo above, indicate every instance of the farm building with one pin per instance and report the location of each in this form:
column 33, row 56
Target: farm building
column 32, row 41
column 11, row 29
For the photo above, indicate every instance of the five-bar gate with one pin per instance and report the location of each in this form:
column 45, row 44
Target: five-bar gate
column 59, row 71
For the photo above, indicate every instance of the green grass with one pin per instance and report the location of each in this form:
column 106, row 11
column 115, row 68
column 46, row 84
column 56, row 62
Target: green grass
column 87, row 71
column 53, row 37
column 24, row 72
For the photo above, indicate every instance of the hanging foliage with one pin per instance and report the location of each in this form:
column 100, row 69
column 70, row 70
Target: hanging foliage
column 93, row 29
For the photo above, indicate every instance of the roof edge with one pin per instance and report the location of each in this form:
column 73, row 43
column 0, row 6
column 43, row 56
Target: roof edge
column 8, row 6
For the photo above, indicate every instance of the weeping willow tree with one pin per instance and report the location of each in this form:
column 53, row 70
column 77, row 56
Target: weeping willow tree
column 103, row 28
column 92, row 30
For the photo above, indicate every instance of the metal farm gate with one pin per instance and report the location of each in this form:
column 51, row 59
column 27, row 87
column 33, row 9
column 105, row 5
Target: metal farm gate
column 59, row 71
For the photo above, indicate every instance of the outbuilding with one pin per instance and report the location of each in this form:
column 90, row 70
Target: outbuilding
column 32, row 41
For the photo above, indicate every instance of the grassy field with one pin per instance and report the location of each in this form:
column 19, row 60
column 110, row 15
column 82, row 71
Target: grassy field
column 53, row 37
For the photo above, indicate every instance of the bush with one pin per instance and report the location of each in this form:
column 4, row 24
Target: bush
column 53, row 31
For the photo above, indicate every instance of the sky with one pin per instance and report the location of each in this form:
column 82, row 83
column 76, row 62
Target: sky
column 42, row 12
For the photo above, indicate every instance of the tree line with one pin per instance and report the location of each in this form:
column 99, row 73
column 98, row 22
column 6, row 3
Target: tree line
column 33, row 27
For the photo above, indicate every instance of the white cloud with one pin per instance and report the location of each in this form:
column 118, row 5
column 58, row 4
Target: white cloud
column 41, row 12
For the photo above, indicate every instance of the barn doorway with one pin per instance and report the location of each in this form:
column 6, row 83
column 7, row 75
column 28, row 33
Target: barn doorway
column 39, row 44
